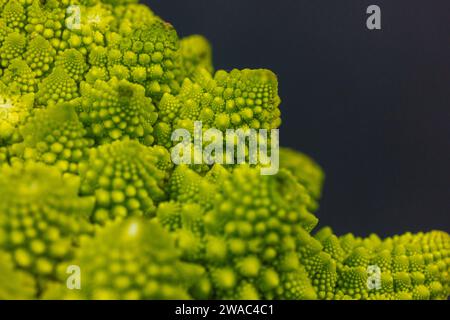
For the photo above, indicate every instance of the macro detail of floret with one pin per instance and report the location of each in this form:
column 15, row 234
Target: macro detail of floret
column 4, row 31
column 40, row 55
column 125, row 178
column 14, row 15
column 185, row 185
column 41, row 216
column 410, row 266
column 73, row 63
column 134, row 12
column 14, row 284
column 196, row 53
column 56, row 137
column 14, row 111
column 246, row 235
column 246, row 99
column 307, row 172
column 87, row 27
column 117, row 109
column 190, row 191
column 13, row 47
column 4, row 155
column 48, row 20
column 144, row 51
column 20, row 77
column 133, row 259
column 58, row 87
column 91, row 92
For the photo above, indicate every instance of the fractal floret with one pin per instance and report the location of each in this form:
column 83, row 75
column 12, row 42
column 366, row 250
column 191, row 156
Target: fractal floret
column 132, row 259
column 116, row 109
column 125, row 178
column 93, row 205
column 54, row 136
column 248, row 234
column 246, row 99
column 42, row 217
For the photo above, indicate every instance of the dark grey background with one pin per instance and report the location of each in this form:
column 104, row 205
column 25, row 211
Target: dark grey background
column 372, row 107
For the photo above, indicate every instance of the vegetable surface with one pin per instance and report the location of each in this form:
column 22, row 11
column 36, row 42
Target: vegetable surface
column 90, row 94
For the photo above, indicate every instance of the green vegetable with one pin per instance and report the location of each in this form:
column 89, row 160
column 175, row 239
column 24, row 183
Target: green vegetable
column 125, row 178
column 14, row 284
column 90, row 94
column 247, row 230
column 42, row 217
column 133, row 259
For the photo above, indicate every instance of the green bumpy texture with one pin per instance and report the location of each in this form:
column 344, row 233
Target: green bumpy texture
column 14, row 284
column 240, row 99
column 411, row 266
column 197, row 53
column 56, row 137
column 125, row 178
column 15, row 109
column 116, row 109
column 133, row 259
column 41, row 216
column 93, row 207
column 247, row 232
column 306, row 171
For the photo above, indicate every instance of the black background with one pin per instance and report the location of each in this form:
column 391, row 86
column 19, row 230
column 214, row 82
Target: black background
column 371, row 107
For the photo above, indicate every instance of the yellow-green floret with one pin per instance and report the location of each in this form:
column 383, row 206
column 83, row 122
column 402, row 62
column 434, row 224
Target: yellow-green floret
column 307, row 172
column 125, row 178
column 410, row 266
column 15, row 109
column 245, row 230
column 95, row 202
column 56, row 137
column 115, row 110
column 14, row 284
column 240, row 99
column 196, row 53
column 133, row 259
column 41, row 216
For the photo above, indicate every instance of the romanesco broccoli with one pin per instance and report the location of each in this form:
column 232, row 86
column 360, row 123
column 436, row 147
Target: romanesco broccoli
column 135, row 259
column 41, row 216
column 91, row 92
